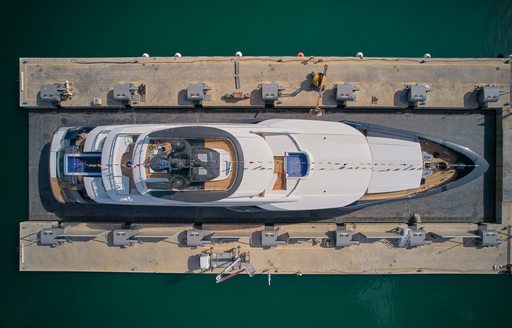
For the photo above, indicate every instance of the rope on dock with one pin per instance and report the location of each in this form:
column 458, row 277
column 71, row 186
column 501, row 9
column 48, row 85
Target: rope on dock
column 297, row 60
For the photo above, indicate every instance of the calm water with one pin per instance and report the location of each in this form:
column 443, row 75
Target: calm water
column 129, row 28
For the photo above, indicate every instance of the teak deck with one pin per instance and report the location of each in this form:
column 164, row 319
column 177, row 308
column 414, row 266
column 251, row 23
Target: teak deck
column 430, row 182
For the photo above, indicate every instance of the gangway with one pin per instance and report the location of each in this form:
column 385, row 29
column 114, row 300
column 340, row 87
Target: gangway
column 229, row 260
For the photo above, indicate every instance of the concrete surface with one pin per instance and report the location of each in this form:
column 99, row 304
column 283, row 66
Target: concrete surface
column 380, row 80
column 167, row 256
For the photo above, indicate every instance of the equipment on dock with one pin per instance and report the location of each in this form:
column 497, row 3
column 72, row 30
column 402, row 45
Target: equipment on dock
column 269, row 237
column 56, row 93
column 236, row 95
column 230, row 260
column 344, row 237
column 482, row 237
column 345, row 92
column 319, row 80
column 270, row 92
column 124, row 92
column 488, row 237
column 127, row 237
column 200, row 237
column 196, row 237
column 416, row 93
column 197, row 92
column 56, row 236
column 124, row 237
column 412, row 237
column 300, row 237
column 408, row 237
column 168, row 78
column 128, row 93
column 487, row 94
column 209, row 260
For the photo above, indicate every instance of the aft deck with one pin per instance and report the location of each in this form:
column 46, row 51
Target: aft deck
column 163, row 148
column 226, row 183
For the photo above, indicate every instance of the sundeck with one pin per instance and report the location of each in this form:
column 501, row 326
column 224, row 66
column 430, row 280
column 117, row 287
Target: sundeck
column 275, row 165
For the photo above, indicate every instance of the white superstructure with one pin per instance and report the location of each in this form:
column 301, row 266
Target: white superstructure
column 278, row 165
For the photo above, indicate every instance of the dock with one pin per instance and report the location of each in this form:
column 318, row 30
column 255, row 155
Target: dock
column 465, row 230
column 459, row 255
column 226, row 82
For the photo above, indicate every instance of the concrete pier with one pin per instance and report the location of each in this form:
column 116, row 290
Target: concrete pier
column 167, row 256
column 380, row 81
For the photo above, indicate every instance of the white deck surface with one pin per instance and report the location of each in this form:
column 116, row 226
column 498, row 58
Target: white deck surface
column 397, row 165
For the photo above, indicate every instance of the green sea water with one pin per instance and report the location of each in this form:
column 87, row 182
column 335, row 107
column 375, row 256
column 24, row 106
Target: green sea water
column 161, row 28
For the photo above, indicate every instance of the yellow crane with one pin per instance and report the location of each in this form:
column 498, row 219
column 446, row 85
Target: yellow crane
column 319, row 80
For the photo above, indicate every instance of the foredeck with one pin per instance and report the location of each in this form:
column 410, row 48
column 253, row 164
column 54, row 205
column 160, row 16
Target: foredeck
column 429, row 182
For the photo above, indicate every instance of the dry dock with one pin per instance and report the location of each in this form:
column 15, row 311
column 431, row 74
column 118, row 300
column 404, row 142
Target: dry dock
column 451, row 235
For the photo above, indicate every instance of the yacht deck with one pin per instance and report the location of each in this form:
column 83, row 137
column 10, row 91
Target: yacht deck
column 474, row 201
column 164, row 148
column 432, row 181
